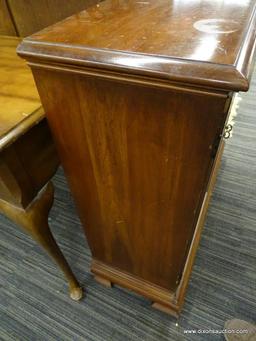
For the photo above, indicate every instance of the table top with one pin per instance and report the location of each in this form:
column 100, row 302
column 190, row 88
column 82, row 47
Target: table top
column 208, row 42
column 20, row 106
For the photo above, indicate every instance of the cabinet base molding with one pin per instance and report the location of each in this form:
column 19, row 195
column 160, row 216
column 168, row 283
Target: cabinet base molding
column 163, row 299
column 165, row 309
column 103, row 281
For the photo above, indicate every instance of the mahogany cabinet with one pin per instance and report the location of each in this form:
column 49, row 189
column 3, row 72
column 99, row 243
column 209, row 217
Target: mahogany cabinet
column 137, row 96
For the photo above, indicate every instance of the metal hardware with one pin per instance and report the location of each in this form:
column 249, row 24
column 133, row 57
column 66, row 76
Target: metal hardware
column 227, row 131
column 226, row 135
column 229, row 128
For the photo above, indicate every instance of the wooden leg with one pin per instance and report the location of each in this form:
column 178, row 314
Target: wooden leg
column 34, row 220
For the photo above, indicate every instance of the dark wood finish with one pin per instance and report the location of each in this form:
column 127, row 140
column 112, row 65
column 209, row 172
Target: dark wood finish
column 142, row 101
column 180, row 292
column 127, row 199
column 7, row 26
column 32, row 15
column 32, row 159
column 170, row 36
column 28, row 157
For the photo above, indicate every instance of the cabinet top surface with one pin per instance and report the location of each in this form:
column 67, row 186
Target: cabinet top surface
column 157, row 36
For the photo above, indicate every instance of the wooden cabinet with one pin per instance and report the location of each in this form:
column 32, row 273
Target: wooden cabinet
column 137, row 95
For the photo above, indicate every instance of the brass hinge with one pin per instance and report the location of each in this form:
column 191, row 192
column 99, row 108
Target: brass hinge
column 227, row 131
column 225, row 134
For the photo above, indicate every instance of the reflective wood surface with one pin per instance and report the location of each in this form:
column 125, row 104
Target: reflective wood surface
column 144, row 90
column 209, row 42
column 210, row 30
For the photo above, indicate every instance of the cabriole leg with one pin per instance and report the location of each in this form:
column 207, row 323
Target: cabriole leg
column 34, row 220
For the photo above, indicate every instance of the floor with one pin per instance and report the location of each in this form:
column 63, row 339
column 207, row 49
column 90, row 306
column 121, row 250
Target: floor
column 34, row 304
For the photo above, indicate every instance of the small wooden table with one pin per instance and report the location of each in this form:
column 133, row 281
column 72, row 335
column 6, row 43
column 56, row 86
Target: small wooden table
column 28, row 158
column 137, row 94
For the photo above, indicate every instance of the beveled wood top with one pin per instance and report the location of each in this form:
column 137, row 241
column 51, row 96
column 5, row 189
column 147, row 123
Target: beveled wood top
column 205, row 42
column 20, row 106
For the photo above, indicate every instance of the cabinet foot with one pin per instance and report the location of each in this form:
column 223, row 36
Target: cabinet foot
column 103, row 281
column 165, row 309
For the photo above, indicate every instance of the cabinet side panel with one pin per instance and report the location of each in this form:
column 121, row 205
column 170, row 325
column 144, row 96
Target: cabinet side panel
column 138, row 161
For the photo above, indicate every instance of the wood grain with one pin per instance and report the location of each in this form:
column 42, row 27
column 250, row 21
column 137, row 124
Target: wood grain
column 144, row 90
column 133, row 147
column 18, row 94
column 7, row 26
column 180, row 293
column 162, row 39
column 33, row 15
